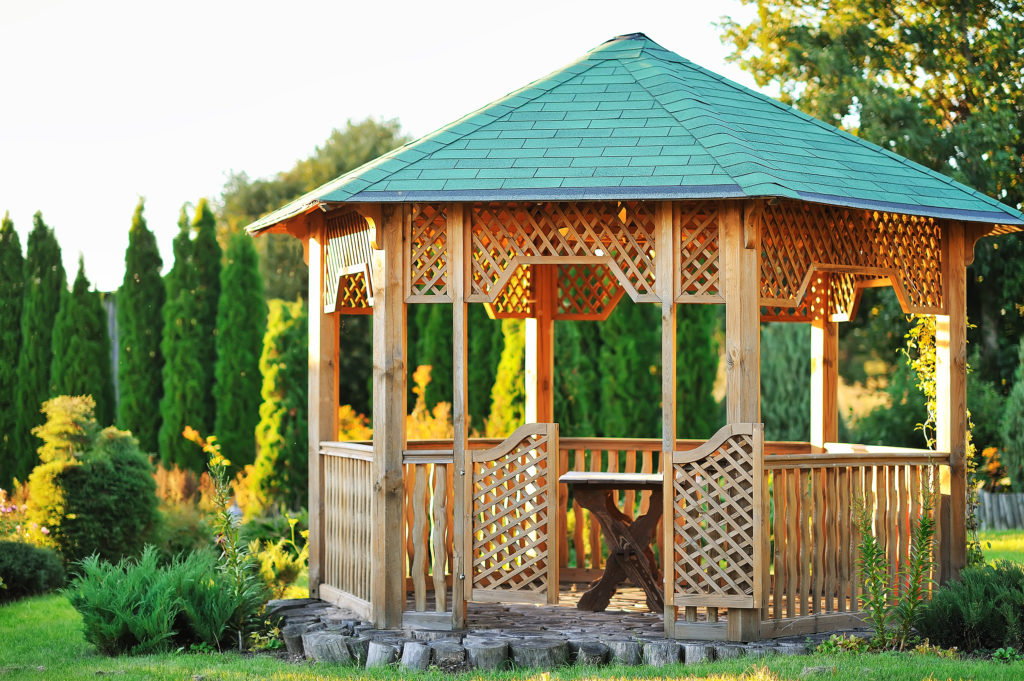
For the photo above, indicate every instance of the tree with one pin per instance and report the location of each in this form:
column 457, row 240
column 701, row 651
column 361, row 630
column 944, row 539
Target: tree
column 355, row 361
column 244, row 200
column 12, row 292
column 281, row 474
column 577, row 378
column 182, row 403
column 942, row 84
column 485, row 345
column 1012, row 427
column 81, row 348
column 698, row 329
column 206, row 257
column 140, row 324
column 44, row 284
column 241, row 323
column 508, row 396
column 786, row 381
column 433, row 335
column 630, row 371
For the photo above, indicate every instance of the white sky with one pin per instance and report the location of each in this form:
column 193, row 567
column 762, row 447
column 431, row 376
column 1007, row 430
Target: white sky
column 105, row 101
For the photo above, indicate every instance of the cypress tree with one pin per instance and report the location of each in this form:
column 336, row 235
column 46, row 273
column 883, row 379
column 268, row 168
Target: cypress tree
column 140, row 322
column 786, row 381
column 12, row 292
column 241, row 323
column 485, row 345
column 630, row 370
column 355, row 361
column 206, row 257
column 698, row 415
column 81, row 348
column 44, row 284
column 182, row 402
column 577, row 382
column 508, row 397
column 435, row 349
column 280, row 474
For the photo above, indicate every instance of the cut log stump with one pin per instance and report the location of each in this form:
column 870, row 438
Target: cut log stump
column 540, row 653
column 415, row 656
column 592, row 654
column 380, row 654
column 660, row 653
column 625, row 652
column 487, row 654
column 323, row 646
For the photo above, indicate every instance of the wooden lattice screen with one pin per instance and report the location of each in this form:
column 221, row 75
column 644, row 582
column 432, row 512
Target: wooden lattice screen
column 699, row 252
column 716, row 519
column 617, row 234
column 426, row 237
column 348, row 284
column 515, row 498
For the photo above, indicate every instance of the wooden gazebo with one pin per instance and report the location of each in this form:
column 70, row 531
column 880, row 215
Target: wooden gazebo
column 631, row 171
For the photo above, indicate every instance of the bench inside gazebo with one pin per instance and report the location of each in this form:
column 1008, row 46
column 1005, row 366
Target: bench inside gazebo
column 631, row 171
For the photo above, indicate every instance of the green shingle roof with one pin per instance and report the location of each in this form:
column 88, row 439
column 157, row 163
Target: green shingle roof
column 632, row 120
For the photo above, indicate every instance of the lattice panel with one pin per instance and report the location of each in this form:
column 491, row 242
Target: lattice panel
column 348, row 285
column 427, row 239
column 516, row 298
column 514, row 557
column 588, row 292
column 716, row 501
column 699, row 252
column 812, row 306
column 797, row 237
column 843, row 295
column 507, row 235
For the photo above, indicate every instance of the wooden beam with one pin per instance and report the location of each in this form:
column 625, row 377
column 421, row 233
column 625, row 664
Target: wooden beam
column 824, row 380
column 322, row 397
column 389, row 408
column 666, row 242
column 462, row 493
column 540, row 340
column 951, row 396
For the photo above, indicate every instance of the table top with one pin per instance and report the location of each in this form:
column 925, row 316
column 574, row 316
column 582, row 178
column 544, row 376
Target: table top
column 612, row 480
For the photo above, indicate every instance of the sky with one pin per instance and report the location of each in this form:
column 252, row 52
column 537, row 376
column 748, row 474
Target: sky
column 106, row 101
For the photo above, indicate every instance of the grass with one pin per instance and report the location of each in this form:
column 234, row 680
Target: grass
column 42, row 641
column 1005, row 544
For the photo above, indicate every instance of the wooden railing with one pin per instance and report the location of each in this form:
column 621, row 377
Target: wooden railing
column 347, row 524
column 812, row 545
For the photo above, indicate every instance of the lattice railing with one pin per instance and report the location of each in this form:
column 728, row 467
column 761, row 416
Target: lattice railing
column 515, row 499
column 348, row 284
column 618, row 234
column 799, row 238
column 717, row 507
column 699, row 262
column 426, row 237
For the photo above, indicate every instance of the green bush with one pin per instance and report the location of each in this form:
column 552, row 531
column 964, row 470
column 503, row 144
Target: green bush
column 182, row 528
column 26, row 570
column 136, row 606
column 982, row 610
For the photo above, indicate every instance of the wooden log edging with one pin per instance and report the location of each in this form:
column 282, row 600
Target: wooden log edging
column 1000, row 511
column 323, row 633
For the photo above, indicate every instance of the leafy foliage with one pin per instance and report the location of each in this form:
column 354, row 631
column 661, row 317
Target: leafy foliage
column 508, row 395
column 630, row 369
column 577, row 378
column 280, row 474
column 69, row 430
column 81, row 348
column 485, row 344
column 44, row 285
column 140, row 324
column 26, row 570
column 1012, row 426
column 12, row 293
column 699, row 329
column 241, row 322
column 785, row 380
column 206, row 256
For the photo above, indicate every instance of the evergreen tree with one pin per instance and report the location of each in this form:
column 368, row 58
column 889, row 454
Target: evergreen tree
column 508, row 397
column 12, row 292
column 434, row 348
column 241, row 323
column 44, row 284
column 698, row 329
column 485, row 344
column 1012, row 426
column 786, row 381
column 355, row 361
column 206, row 257
column 81, row 348
column 182, row 403
column 577, row 382
column 630, row 371
column 140, row 323
column 280, row 474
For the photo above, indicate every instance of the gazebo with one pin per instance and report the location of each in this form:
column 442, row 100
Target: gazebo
column 631, row 171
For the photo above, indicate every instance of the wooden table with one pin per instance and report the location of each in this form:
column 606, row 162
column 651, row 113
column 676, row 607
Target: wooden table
column 628, row 539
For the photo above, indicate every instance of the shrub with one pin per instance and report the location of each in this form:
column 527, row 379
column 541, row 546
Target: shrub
column 26, row 570
column 182, row 528
column 983, row 609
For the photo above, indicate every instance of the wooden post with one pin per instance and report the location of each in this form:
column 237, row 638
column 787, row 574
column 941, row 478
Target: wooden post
column 951, row 398
column 462, row 493
column 666, row 255
column 824, row 381
column 389, row 408
column 322, row 402
column 740, row 241
column 540, row 341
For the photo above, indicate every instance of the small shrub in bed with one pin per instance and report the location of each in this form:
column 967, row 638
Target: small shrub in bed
column 982, row 610
column 26, row 570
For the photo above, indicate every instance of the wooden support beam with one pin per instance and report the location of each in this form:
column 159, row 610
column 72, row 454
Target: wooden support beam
column 462, row 493
column 389, row 408
column 540, row 341
column 740, row 241
column 322, row 396
column 824, row 381
column 951, row 397
column 666, row 242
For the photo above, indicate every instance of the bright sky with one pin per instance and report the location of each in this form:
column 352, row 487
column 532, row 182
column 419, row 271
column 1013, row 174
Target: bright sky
column 105, row 101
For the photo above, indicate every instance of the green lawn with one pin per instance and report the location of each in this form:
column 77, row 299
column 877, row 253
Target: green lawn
column 41, row 640
column 1008, row 544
